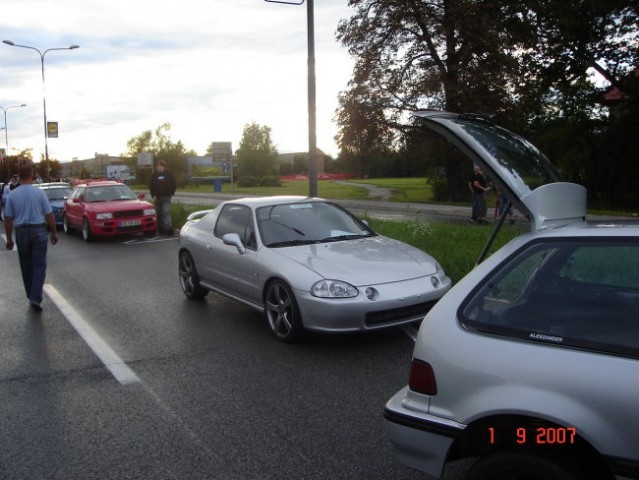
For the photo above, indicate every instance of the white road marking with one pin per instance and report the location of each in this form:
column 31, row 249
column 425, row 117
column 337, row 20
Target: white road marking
column 136, row 241
column 109, row 358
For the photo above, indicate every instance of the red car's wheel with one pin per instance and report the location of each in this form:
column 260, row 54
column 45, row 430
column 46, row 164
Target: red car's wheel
column 65, row 225
column 86, row 231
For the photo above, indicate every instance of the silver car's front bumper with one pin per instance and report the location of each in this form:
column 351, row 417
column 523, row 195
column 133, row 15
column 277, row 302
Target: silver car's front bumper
column 421, row 441
column 396, row 304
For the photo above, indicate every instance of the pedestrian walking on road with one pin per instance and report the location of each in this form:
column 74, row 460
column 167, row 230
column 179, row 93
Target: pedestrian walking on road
column 29, row 211
column 162, row 190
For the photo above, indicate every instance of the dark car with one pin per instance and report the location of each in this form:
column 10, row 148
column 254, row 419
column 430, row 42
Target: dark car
column 57, row 193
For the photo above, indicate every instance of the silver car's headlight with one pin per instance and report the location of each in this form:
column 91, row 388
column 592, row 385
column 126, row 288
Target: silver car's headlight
column 439, row 277
column 440, row 272
column 333, row 289
column 104, row 216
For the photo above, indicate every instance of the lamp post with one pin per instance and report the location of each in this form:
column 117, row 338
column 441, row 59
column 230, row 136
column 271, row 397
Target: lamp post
column 312, row 122
column 44, row 97
column 6, row 128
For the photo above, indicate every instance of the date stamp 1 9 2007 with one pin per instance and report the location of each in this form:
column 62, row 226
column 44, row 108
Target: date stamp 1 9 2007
column 533, row 435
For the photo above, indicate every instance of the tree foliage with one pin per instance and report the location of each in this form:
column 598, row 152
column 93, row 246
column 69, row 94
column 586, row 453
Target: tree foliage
column 528, row 61
column 256, row 155
column 9, row 164
column 159, row 143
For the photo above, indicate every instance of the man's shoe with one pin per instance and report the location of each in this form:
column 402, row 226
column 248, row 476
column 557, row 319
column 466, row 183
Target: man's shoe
column 36, row 307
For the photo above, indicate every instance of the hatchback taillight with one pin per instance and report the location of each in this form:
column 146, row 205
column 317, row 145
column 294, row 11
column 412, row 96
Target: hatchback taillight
column 421, row 378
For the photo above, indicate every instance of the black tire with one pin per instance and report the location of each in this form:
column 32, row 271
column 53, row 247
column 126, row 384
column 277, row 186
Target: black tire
column 65, row 225
column 87, row 236
column 519, row 466
column 282, row 313
column 189, row 279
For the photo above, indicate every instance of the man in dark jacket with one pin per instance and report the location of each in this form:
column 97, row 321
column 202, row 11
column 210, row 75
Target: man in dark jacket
column 479, row 188
column 162, row 189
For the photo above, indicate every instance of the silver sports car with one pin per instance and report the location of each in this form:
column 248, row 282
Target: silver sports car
column 308, row 264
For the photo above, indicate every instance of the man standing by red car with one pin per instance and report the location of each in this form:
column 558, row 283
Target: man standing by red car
column 162, row 189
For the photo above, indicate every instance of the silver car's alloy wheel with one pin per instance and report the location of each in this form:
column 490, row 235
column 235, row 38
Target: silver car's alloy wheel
column 189, row 279
column 86, row 231
column 282, row 311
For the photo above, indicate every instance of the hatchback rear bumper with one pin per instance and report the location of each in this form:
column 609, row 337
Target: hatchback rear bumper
column 421, row 441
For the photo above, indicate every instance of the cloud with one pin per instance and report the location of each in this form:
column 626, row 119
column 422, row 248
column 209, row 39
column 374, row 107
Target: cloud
column 208, row 68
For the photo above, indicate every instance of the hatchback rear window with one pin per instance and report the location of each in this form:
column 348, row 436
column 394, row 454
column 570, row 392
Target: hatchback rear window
column 581, row 294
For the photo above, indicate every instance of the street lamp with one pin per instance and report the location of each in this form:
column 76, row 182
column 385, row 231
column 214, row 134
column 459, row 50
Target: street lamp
column 44, row 98
column 6, row 129
column 312, row 122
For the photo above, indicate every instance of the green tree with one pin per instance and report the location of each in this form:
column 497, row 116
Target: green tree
column 159, row 143
column 10, row 163
column 525, row 60
column 409, row 55
column 256, row 155
column 54, row 166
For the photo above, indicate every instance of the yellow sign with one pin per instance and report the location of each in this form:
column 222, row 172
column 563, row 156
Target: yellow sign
column 52, row 129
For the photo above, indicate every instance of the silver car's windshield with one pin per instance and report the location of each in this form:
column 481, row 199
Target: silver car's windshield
column 306, row 223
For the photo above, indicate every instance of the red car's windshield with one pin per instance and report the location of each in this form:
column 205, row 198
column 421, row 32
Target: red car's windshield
column 110, row 193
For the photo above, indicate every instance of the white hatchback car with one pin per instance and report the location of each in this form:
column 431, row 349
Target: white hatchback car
column 531, row 362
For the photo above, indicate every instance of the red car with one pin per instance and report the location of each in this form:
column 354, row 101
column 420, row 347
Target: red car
column 106, row 209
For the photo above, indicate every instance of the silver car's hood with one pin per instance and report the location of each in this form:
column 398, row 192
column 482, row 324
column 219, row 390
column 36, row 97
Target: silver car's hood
column 367, row 261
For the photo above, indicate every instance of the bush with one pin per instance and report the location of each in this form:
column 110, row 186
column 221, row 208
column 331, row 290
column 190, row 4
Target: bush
column 270, row 181
column 255, row 181
column 248, row 181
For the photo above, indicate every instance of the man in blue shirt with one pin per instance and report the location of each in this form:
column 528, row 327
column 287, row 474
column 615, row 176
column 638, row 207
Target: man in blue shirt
column 29, row 211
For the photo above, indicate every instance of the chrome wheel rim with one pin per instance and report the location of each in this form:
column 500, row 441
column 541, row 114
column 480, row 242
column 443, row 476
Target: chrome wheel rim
column 186, row 274
column 279, row 310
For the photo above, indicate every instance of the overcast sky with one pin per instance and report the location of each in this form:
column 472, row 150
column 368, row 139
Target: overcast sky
column 208, row 67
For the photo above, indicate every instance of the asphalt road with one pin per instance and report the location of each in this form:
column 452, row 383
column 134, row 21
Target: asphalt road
column 122, row 377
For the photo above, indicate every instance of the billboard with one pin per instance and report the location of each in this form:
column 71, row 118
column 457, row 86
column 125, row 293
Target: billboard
column 119, row 172
column 221, row 151
column 145, row 160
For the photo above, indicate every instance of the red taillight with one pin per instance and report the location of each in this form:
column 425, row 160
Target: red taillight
column 421, row 378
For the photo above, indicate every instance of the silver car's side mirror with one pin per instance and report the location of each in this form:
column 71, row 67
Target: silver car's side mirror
column 235, row 240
